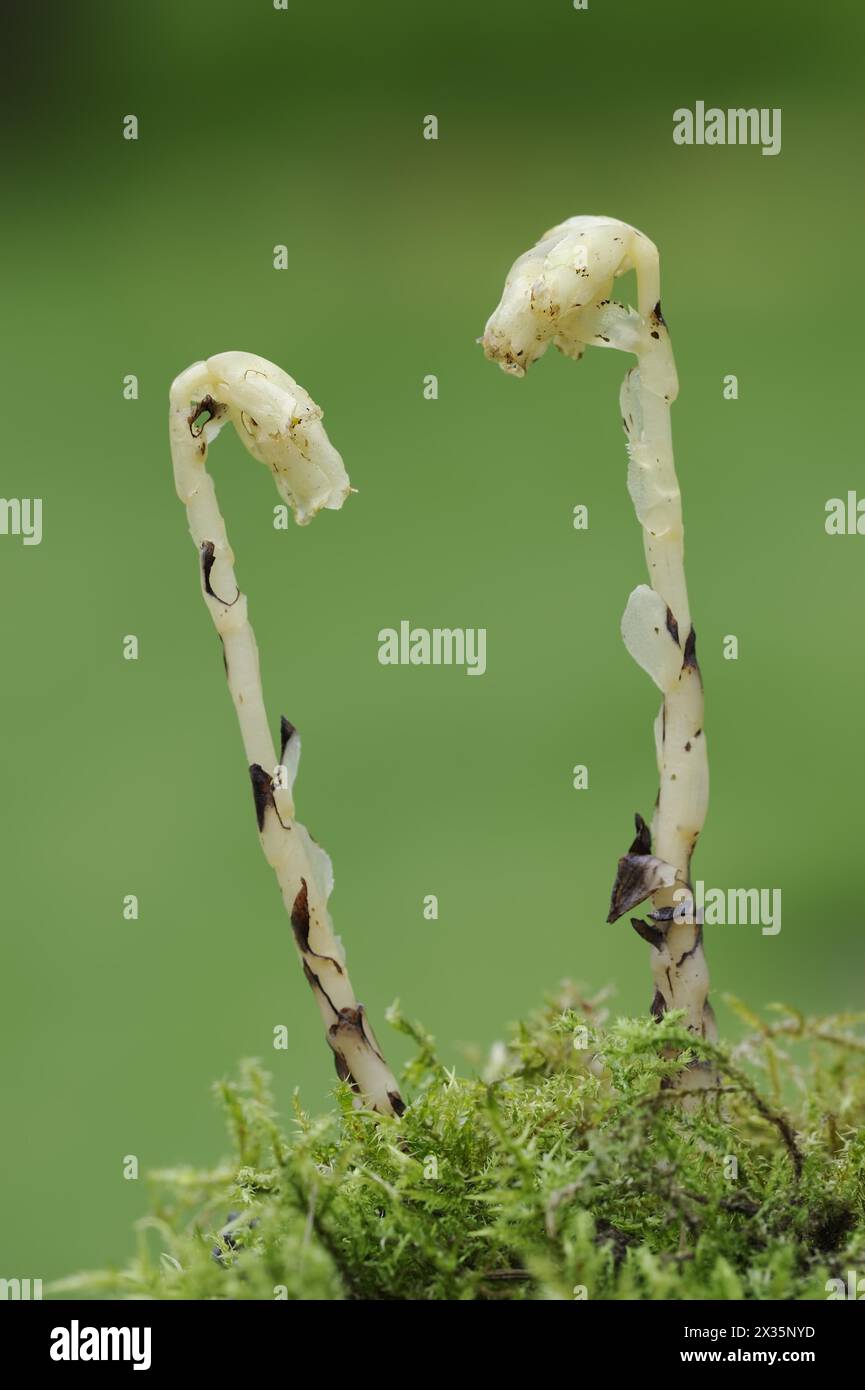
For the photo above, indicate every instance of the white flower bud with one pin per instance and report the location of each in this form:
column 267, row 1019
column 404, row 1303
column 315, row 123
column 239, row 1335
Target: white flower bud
column 559, row 292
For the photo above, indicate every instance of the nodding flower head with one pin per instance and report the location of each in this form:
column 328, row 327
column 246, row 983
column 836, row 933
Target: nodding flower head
column 554, row 292
column 277, row 421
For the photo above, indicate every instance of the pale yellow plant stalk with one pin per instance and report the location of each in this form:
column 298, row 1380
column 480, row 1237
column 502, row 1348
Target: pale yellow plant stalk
column 560, row 292
column 282, row 427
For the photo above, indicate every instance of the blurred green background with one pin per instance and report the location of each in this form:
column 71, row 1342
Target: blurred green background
column 260, row 127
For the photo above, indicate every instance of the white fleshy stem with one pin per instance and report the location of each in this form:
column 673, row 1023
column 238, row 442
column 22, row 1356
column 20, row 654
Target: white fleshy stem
column 560, row 292
column 281, row 426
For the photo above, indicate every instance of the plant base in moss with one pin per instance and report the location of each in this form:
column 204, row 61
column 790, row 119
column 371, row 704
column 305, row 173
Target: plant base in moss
column 567, row 1170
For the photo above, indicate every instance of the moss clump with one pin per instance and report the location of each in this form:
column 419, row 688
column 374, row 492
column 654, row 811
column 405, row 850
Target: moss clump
column 566, row 1170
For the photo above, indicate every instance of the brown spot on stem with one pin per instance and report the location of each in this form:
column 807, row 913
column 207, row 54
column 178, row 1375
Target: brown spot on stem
column 286, row 733
column 662, row 914
column 262, row 795
column 686, row 955
column 262, row 792
column 658, row 1006
column 672, row 625
column 657, row 316
column 643, row 842
column 689, row 659
column 300, row 915
column 651, row 934
column 300, row 925
column 343, row 1070
column 352, row 1020
column 315, row 984
column 207, row 554
column 397, row 1104
column 208, row 407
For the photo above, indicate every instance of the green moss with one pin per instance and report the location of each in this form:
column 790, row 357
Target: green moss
column 563, row 1171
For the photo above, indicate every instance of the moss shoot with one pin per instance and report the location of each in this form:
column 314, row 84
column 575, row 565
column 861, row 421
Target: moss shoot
column 566, row 1168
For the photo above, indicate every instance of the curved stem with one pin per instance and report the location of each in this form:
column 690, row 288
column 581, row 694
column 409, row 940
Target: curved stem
column 678, row 961
column 560, row 292
column 279, row 424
